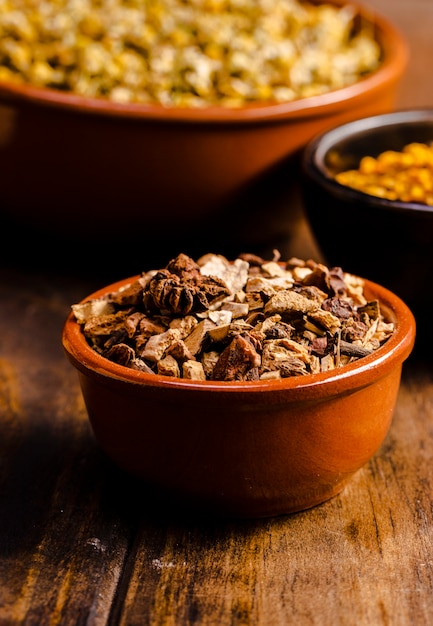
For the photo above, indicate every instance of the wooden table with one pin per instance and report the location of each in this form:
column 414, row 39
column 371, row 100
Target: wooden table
column 79, row 545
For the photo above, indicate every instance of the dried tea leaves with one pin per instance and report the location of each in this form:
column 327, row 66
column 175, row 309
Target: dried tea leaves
column 250, row 319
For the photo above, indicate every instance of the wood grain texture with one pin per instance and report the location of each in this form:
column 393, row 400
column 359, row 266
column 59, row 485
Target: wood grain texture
column 80, row 544
column 362, row 558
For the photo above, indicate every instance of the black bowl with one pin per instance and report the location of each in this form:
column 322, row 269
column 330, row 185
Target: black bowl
column 389, row 242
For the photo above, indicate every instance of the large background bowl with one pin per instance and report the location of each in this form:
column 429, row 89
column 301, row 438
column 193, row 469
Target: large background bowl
column 244, row 449
column 117, row 168
column 390, row 242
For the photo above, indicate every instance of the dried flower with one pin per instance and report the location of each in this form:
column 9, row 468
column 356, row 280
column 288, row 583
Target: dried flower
column 192, row 54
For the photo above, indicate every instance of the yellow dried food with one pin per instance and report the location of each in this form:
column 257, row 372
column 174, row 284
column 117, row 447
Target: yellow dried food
column 405, row 175
column 177, row 53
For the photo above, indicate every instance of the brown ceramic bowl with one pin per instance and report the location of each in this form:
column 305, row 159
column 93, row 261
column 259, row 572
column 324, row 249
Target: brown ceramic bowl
column 122, row 166
column 244, row 449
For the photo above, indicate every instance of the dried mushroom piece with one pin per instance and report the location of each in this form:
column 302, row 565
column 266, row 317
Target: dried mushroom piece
column 250, row 319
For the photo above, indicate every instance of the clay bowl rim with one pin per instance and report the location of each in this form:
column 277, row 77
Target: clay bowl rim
column 395, row 50
column 358, row 374
column 316, row 151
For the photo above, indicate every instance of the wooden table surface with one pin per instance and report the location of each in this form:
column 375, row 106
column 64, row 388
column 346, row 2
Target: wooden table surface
column 79, row 543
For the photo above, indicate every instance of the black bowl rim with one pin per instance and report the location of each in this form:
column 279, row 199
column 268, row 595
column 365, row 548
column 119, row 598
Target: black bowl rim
column 314, row 155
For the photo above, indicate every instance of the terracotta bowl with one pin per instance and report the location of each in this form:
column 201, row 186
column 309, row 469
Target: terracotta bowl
column 387, row 241
column 244, row 449
column 117, row 165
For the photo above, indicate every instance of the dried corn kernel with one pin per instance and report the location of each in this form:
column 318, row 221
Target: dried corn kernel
column 225, row 52
column 405, row 175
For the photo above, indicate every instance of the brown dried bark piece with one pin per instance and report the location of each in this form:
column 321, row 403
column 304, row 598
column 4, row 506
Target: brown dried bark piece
column 193, row 370
column 325, row 320
column 120, row 353
column 180, row 351
column 208, row 362
column 196, row 339
column 283, row 355
column 237, row 309
column 236, row 360
column 257, row 261
column 337, row 283
column 255, row 301
column 132, row 323
column 355, row 331
column 288, row 302
column 371, row 309
column 141, row 366
column 132, row 295
column 252, row 259
column 105, row 325
column 292, row 367
column 168, row 366
column 319, row 345
column 342, row 309
column 157, row 345
column 279, row 330
column 319, row 277
column 260, row 285
column 148, row 327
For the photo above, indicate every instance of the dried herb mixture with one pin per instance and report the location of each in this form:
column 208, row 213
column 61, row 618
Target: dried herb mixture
column 193, row 54
column 252, row 319
column 405, row 175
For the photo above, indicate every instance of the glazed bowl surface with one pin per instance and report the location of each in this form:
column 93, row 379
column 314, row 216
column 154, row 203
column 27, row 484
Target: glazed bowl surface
column 243, row 449
column 388, row 241
column 111, row 165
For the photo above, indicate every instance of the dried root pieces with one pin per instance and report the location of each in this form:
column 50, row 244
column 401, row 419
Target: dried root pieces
column 250, row 319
